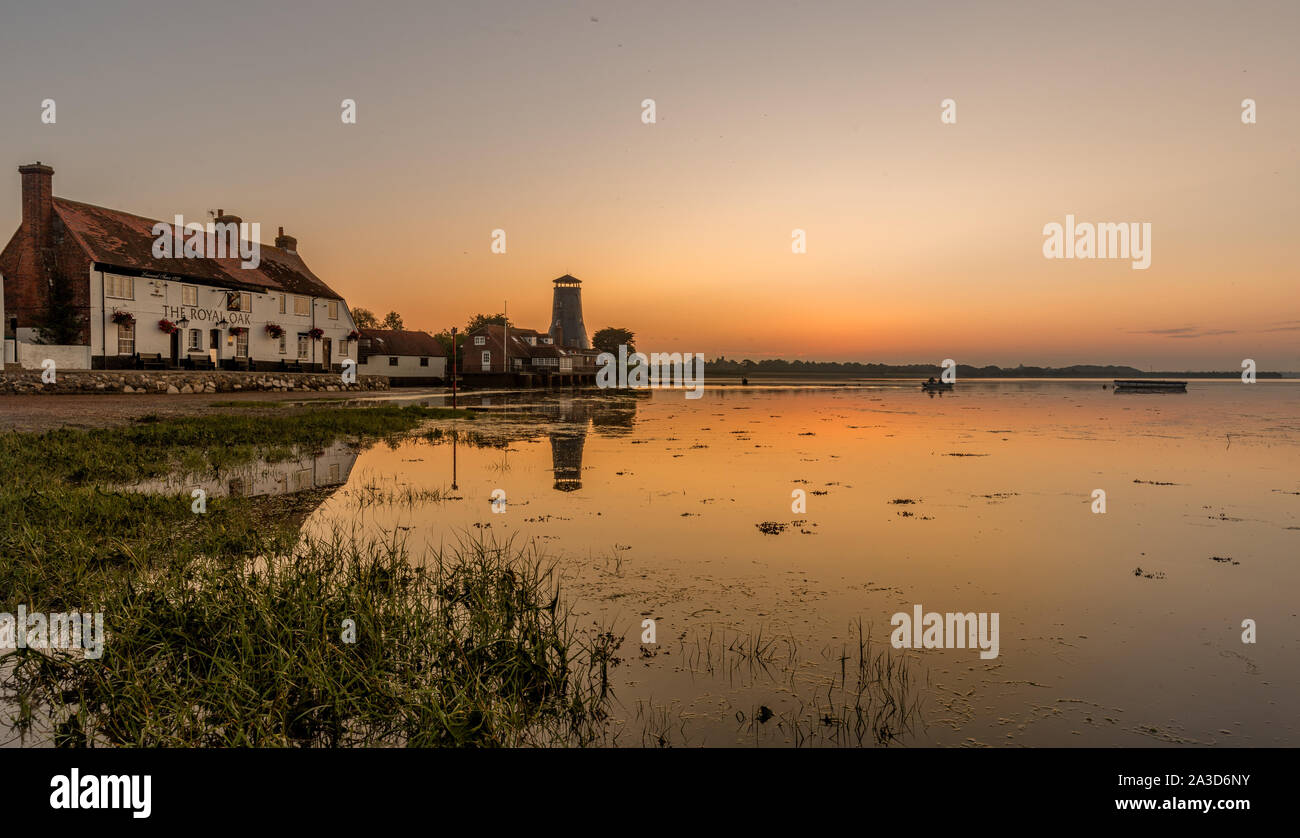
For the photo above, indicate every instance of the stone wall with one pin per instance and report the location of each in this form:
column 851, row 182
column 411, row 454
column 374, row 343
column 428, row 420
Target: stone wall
column 181, row 381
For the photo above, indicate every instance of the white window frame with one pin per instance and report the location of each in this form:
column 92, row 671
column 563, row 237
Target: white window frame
column 334, row 309
column 195, row 341
column 304, row 347
column 283, row 297
column 302, row 306
column 241, row 344
column 113, row 285
column 486, row 361
column 284, row 343
column 126, row 337
column 189, row 295
column 480, row 340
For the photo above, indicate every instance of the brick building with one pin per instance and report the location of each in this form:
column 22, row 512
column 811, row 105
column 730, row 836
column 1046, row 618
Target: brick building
column 89, row 280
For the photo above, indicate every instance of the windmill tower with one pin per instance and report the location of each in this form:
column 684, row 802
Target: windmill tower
column 567, row 328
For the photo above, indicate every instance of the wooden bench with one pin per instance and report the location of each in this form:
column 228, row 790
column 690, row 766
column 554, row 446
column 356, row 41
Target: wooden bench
column 199, row 361
column 291, row 366
column 150, row 361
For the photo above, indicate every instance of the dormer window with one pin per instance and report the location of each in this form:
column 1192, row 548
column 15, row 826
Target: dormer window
column 480, row 340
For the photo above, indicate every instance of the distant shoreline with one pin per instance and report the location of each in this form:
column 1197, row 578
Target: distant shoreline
column 832, row 370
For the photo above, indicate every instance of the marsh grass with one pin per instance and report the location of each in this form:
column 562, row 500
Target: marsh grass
column 470, row 646
column 227, row 628
column 875, row 700
column 376, row 491
column 196, row 443
column 862, row 694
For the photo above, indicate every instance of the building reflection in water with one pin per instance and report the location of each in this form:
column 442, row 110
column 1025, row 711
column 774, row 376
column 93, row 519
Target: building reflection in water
column 325, row 469
column 608, row 416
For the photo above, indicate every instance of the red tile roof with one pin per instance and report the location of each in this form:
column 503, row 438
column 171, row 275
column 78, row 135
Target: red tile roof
column 402, row 342
column 519, row 348
column 123, row 240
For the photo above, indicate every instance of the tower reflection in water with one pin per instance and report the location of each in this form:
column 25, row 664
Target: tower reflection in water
column 570, row 419
column 606, row 416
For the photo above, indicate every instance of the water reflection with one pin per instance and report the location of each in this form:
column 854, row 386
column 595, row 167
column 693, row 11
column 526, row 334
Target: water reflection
column 324, row 469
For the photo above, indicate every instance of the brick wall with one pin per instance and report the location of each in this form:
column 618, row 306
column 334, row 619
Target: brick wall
column 42, row 261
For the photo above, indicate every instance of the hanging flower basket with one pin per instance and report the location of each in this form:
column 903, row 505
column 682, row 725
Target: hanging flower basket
column 275, row 330
column 238, row 330
column 354, row 335
column 167, row 327
column 123, row 317
column 316, row 334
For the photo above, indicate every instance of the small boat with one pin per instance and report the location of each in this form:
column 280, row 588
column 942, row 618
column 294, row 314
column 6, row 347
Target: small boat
column 1149, row 386
column 936, row 386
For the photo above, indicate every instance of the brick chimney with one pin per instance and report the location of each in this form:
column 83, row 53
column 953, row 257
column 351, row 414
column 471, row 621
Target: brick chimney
column 284, row 242
column 38, row 203
column 222, row 218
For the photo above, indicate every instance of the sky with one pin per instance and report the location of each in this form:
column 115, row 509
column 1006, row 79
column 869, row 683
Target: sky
column 924, row 239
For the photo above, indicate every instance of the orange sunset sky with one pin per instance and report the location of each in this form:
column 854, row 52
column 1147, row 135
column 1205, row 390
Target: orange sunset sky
column 924, row 239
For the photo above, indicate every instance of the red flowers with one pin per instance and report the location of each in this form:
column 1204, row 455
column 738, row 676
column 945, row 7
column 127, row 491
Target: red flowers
column 316, row 333
column 354, row 335
column 167, row 327
column 120, row 316
column 238, row 330
column 275, row 330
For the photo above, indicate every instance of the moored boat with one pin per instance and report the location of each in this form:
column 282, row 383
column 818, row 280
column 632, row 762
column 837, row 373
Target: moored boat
column 1149, row 386
column 936, row 386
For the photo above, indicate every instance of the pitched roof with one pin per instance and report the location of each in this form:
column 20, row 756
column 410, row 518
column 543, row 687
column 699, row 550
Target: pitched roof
column 120, row 239
column 519, row 347
column 402, row 342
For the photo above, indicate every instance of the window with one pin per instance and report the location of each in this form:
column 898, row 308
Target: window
column 424, row 362
column 343, row 347
column 126, row 338
column 195, row 343
column 487, row 360
column 283, row 341
column 302, row 305
column 334, row 310
column 189, row 295
column 241, row 344
column 392, row 360
column 334, row 472
column 239, row 301
column 480, row 340
column 119, row 287
column 304, row 347
column 283, row 297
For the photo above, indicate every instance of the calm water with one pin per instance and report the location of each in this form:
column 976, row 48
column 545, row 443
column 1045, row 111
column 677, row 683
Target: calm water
column 652, row 506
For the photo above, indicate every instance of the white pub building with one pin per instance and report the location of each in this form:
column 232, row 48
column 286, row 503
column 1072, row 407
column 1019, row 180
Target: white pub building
column 89, row 284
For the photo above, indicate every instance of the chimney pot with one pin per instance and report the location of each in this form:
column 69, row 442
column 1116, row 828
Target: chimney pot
column 288, row 243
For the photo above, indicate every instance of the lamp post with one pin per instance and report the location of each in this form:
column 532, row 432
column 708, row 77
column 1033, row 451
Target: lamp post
column 453, row 368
